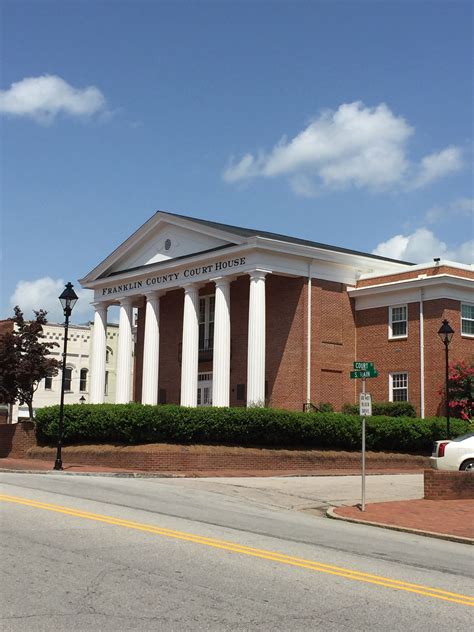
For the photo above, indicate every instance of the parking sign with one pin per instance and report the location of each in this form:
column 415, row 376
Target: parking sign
column 365, row 404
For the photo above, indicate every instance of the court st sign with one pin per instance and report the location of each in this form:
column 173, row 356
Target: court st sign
column 363, row 370
column 363, row 366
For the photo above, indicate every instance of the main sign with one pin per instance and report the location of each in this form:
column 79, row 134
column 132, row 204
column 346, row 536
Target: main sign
column 176, row 277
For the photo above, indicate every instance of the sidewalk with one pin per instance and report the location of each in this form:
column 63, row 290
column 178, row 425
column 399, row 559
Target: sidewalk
column 447, row 519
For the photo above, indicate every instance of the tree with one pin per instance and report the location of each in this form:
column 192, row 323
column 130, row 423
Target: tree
column 24, row 360
column 461, row 388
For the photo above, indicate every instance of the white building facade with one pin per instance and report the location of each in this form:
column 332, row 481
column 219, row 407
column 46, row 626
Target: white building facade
column 78, row 365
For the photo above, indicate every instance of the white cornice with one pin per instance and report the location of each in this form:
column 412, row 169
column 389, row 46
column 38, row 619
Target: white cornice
column 445, row 286
column 361, row 262
column 427, row 266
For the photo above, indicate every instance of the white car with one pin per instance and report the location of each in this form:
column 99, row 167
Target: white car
column 454, row 455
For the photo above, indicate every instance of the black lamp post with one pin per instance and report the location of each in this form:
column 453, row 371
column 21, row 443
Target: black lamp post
column 446, row 333
column 68, row 299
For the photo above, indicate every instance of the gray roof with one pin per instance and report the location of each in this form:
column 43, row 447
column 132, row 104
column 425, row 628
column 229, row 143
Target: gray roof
column 252, row 232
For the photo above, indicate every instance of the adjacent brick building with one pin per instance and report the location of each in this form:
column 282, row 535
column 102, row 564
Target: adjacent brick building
column 232, row 316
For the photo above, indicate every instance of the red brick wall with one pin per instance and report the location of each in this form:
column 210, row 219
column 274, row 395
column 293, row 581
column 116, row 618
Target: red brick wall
column 332, row 344
column 17, row 439
column 461, row 347
column 285, row 342
column 171, row 329
column 403, row 355
column 448, row 485
column 389, row 356
column 239, row 310
column 171, row 458
column 138, row 352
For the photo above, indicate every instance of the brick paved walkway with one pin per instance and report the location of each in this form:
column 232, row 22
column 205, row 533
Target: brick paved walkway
column 448, row 517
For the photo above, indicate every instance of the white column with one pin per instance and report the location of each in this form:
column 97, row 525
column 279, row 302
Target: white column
column 256, row 340
column 123, row 387
column 190, row 351
column 99, row 350
column 151, row 349
column 221, row 353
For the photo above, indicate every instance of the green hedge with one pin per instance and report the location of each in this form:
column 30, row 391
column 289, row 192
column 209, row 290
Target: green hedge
column 386, row 409
column 127, row 424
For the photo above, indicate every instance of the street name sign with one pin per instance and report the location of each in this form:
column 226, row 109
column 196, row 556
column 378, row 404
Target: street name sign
column 363, row 366
column 364, row 374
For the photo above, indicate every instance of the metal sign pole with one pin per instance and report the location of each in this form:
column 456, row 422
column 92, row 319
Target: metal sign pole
column 363, row 454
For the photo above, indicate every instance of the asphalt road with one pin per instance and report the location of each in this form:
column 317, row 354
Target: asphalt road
column 96, row 553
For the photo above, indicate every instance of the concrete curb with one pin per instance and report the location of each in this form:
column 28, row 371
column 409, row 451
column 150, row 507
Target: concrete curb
column 330, row 513
column 114, row 474
column 215, row 473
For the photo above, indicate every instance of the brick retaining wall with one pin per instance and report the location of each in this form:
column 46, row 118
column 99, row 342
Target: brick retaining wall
column 176, row 458
column 17, row 439
column 448, row 485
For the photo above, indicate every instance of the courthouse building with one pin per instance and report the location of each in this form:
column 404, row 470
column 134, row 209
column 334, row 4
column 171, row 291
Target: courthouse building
column 234, row 316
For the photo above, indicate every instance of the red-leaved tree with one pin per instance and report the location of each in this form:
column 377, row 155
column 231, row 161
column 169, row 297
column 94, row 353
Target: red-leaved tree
column 461, row 388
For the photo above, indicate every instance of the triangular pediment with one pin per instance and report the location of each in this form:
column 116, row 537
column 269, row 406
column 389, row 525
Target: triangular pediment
column 165, row 243
column 163, row 237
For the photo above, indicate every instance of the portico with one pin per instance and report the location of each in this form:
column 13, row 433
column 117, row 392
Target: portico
column 219, row 345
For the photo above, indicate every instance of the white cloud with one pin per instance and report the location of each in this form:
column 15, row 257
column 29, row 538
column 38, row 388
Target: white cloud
column 460, row 207
column 43, row 294
column 43, row 98
column 354, row 146
column 421, row 246
column 438, row 165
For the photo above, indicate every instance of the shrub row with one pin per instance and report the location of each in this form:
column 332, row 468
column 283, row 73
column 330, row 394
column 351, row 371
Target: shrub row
column 386, row 409
column 137, row 424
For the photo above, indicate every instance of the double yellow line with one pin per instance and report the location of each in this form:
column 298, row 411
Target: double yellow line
column 233, row 547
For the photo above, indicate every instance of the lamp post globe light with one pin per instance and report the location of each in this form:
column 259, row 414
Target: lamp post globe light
column 446, row 332
column 68, row 299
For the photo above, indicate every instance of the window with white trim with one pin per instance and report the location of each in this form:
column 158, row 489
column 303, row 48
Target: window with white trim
column 467, row 319
column 68, row 379
column 397, row 321
column 48, row 382
column 106, row 383
column 398, row 387
column 83, row 381
column 206, row 322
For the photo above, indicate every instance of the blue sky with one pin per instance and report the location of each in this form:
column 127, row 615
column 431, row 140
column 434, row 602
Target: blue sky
column 347, row 123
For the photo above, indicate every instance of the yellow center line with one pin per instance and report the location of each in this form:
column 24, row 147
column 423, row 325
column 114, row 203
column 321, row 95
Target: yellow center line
column 233, row 547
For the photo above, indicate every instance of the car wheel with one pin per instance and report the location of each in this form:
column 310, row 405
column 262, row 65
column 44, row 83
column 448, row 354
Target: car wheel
column 467, row 466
